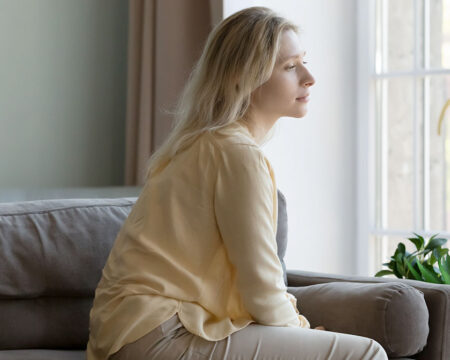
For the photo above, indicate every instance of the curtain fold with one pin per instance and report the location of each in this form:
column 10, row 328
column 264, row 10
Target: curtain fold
column 165, row 38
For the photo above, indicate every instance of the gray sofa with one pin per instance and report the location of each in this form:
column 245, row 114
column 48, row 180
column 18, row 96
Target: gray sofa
column 52, row 253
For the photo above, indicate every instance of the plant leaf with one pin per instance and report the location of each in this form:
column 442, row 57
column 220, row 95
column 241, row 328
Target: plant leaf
column 397, row 274
column 400, row 249
column 384, row 272
column 420, row 241
column 444, row 266
column 433, row 257
column 394, row 269
column 413, row 271
column 434, row 243
column 428, row 273
column 399, row 264
column 443, row 251
column 417, row 242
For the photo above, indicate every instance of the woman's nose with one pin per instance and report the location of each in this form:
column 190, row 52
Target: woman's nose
column 308, row 80
column 311, row 82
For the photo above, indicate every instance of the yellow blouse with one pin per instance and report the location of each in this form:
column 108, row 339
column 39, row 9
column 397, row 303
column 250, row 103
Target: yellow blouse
column 199, row 241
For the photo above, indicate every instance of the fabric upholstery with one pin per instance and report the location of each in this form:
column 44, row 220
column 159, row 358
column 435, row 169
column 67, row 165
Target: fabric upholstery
column 282, row 230
column 53, row 252
column 437, row 298
column 42, row 354
column 394, row 314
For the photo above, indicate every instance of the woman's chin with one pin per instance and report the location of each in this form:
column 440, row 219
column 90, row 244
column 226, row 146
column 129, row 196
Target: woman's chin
column 300, row 114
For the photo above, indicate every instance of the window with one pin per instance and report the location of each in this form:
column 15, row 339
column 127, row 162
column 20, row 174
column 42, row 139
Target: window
column 403, row 90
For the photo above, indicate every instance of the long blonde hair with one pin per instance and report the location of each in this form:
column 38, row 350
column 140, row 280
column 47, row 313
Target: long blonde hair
column 239, row 56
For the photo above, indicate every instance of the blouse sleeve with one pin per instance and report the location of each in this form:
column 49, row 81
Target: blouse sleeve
column 304, row 323
column 243, row 204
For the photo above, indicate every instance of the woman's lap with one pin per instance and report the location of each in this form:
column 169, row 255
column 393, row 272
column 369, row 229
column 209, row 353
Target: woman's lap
column 171, row 340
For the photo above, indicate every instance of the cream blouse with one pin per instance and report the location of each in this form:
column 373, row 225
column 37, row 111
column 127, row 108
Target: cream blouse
column 199, row 241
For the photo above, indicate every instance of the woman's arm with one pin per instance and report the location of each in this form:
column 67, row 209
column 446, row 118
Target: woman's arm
column 243, row 204
column 304, row 323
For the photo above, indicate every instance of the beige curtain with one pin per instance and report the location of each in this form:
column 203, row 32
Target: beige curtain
column 165, row 38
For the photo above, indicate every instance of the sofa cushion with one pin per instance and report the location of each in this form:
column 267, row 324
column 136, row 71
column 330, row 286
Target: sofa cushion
column 42, row 354
column 53, row 253
column 393, row 314
column 282, row 229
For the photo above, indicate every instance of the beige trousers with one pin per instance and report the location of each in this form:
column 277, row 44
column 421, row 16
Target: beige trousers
column 171, row 340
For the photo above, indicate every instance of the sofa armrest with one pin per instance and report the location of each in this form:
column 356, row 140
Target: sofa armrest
column 437, row 298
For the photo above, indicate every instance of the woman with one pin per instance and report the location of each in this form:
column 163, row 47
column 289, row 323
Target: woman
column 194, row 272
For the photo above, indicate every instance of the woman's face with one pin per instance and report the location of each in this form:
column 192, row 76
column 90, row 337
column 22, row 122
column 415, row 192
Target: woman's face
column 290, row 80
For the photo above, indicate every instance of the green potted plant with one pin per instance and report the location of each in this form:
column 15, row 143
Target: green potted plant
column 420, row 265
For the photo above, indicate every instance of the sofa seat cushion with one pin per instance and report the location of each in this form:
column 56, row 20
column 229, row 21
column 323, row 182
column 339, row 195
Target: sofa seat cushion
column 394, row 314
column 42, row 354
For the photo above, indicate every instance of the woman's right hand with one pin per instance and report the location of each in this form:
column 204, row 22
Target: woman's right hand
column 320, row 327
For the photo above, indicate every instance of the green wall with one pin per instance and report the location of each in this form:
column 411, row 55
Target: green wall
column 62, row 92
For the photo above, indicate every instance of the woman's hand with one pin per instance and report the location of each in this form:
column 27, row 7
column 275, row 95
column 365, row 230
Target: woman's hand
column 320, row 327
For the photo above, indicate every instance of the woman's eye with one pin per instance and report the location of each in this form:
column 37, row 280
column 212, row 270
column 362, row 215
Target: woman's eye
column 293, row 66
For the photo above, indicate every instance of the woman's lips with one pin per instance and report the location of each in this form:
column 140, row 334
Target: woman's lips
column 303, row 99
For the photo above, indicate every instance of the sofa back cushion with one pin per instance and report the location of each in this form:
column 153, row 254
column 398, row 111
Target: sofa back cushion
column 282, row 232
column 52, row 253
column 51, row 259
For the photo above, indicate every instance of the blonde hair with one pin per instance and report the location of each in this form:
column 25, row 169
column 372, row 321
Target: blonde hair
column 239, row 56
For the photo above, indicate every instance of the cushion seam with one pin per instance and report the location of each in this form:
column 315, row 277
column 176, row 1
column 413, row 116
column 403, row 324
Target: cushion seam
column 64, row 208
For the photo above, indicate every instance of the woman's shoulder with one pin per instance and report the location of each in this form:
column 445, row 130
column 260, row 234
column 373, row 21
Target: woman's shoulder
column 228, row 138
column 238, row 148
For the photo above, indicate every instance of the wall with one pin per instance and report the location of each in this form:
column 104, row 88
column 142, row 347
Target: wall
column 62, row 109
column 62, row 92
column 314, row 157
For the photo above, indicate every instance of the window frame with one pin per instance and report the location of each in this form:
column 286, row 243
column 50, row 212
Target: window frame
column 371, row 240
